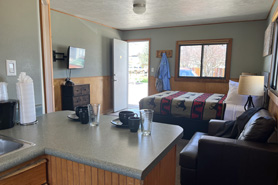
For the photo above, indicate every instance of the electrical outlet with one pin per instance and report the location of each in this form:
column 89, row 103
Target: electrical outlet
column 11, row 67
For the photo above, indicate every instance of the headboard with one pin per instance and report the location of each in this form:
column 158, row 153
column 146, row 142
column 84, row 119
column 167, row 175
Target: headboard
column 273, row 105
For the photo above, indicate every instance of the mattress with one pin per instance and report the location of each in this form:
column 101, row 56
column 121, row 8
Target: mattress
column 192, row 105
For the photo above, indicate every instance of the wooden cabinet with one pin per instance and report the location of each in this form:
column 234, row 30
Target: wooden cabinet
column 62, row 171
column 73, row 96
column 33, row 172
column 52, row 170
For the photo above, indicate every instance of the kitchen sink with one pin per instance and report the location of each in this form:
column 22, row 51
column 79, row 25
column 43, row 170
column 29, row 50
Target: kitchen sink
column 8, row 145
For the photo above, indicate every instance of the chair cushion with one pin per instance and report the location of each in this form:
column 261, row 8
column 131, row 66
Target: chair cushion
column 259, row 128
column 188, row 156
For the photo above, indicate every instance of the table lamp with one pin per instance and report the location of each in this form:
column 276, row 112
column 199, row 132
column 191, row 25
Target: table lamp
column 252, row 86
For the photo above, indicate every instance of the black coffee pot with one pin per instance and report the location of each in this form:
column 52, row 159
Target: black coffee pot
column 7, row 113
column 84, row 113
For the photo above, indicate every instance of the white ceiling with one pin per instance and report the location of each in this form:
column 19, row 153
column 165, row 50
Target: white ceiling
column 164, row 13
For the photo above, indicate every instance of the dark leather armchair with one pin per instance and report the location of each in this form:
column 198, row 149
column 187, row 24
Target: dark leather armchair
column 210, row 160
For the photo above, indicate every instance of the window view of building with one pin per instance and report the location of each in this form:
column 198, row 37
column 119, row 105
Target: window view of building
column 203, row 59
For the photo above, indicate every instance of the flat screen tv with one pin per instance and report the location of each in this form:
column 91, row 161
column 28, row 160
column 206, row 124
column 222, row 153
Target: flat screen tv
column 76, row 57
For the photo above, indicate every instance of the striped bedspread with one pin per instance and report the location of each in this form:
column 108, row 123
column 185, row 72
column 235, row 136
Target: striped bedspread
column 200, row 106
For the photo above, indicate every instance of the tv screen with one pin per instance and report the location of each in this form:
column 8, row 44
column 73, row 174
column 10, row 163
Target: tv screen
column 76, row 58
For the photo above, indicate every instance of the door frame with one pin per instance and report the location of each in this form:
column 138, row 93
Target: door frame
column 149, row 65
column 47, row 61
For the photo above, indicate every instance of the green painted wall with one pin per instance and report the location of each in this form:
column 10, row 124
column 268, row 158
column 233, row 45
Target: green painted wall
column 20, row 41
column 96, row 39
column 247, row 42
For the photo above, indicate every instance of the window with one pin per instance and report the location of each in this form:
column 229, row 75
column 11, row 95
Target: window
column 203, row 60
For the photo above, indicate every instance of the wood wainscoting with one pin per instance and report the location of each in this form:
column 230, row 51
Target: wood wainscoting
column 100, row 91
column 206, row 87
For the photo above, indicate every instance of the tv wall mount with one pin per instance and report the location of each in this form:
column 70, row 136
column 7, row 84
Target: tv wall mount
column 58, row 56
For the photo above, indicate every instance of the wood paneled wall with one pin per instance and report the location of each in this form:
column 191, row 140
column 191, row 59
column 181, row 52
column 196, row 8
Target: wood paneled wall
column 273, row 105
column 65, row 172
column 206, row 87
column 100, row 91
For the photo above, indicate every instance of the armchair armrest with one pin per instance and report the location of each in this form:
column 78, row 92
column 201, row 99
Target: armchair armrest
column 214, row 125
column 229, row 161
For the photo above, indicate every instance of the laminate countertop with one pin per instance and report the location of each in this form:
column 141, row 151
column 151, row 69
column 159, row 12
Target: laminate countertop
column 105, row 146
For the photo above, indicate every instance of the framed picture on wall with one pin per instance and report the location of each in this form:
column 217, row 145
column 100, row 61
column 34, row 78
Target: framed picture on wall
column 268, row 35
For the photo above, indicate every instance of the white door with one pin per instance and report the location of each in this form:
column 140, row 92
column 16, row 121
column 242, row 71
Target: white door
column 120, row 74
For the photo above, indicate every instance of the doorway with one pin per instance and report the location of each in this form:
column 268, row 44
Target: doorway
column 138, row 71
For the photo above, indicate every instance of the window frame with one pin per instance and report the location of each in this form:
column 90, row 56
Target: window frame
column 226, row 78
column 274, row 70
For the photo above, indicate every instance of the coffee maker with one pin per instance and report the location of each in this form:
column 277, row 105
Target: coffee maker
column 7, row 113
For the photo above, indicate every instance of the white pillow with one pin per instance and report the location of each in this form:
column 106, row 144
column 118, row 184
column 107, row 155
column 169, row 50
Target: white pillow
column 234, row 98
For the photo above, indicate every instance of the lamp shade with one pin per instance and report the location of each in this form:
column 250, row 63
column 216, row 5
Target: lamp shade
column 251, row 85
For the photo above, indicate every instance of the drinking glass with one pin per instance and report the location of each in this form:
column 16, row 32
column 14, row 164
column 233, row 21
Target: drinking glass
column 146, row 121
column 95, row 114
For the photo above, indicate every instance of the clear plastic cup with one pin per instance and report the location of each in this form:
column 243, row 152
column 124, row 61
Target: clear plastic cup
column 95, row 114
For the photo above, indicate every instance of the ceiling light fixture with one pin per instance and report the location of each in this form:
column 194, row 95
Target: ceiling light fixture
column 139, row 8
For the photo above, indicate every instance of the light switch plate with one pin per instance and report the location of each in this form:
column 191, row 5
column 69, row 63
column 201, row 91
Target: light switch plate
column 11, row 67
column 152, row 69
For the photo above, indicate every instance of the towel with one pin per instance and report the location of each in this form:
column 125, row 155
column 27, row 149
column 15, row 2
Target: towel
column 165, row 73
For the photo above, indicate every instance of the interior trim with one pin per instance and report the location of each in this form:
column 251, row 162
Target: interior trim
column 256, row 20
column 46, row 47
column 196, row 25
column 82, row 18
column 275, row 15
column 270, row 9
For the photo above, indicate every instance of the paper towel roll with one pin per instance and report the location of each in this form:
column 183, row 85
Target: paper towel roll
column 3, row 91
column 26, row 97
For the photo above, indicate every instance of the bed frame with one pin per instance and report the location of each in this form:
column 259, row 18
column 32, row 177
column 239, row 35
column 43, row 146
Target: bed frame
column 190, row 126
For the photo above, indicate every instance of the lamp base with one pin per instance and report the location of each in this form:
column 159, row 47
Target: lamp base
column 249, row 104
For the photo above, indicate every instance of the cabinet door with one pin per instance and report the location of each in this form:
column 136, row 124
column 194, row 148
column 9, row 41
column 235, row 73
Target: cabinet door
column 33, row 173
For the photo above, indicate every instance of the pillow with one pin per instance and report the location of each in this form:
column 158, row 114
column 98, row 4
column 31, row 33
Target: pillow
column 234, row 98
column 259, row 128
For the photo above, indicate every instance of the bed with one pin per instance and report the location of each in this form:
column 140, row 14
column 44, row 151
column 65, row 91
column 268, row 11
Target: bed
column 193, row 105
column 190, row 110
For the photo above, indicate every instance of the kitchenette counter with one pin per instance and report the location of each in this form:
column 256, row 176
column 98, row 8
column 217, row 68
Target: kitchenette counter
column 105, row 146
